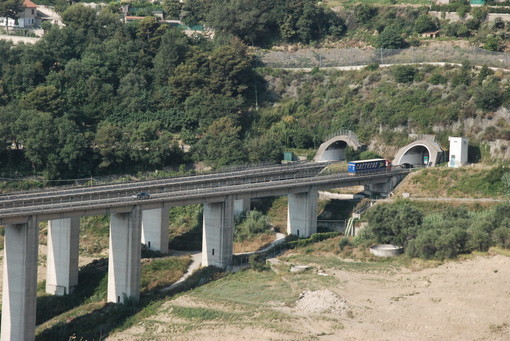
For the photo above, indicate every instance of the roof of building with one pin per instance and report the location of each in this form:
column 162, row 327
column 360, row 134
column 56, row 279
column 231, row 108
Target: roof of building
column 29, row 4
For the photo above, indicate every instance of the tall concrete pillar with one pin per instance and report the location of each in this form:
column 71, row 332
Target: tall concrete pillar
column 62, row 259
column 217, row 243
column 125, row 256
column 155, row 229
column 241, row 205
column 302, row 213
column 20, row 281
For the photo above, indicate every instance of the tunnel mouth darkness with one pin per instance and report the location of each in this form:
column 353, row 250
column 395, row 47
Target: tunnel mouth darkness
column 416, row 156
column 335, row 151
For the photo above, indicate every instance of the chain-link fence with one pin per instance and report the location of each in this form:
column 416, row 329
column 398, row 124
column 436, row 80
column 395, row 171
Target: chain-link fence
column 357, row 57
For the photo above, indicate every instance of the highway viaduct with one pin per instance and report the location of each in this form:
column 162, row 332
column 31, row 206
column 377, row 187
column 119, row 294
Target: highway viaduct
column 133, row 222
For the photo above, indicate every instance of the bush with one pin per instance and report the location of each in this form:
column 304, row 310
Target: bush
column 314, row 238
column 344, row 242
column 257, row 262
column 488, row 98
column 390, row 38
column 404, row 73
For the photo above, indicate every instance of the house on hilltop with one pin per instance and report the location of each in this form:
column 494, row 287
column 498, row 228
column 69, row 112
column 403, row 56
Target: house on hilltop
column 26, row 18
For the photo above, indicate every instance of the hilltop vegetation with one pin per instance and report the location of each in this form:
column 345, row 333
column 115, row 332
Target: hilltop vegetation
column 99, row 96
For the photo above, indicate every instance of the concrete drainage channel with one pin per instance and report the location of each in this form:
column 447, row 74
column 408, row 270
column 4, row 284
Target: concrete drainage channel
column 386, row 250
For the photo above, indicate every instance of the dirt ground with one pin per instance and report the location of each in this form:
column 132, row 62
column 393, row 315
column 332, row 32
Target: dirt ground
column 463, row 300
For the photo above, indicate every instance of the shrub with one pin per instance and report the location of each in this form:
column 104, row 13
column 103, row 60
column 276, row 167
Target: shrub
column 390, row 38
column 344, row 242
column 404, row 73
column 436, row 78
column 257, row 262
column 488, row 98
column 501, row 237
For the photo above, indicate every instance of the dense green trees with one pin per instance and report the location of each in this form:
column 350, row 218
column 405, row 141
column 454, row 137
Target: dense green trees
column 262, row 22
column 439, row 235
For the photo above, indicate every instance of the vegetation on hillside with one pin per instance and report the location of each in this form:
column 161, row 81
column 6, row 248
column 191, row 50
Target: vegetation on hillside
column 447, row 234
column 386, row 102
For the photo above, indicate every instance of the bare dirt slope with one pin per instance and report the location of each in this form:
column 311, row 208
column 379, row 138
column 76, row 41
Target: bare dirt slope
column 464, row 300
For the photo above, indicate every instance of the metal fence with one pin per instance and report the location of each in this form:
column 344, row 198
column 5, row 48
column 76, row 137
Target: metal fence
column 358, row 57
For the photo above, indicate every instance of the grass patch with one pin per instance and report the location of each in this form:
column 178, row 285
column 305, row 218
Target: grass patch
column 162, row 272
column 94, row 234
column 247, row 287
column 85, row 313
column 202, row 314
column 466, row 182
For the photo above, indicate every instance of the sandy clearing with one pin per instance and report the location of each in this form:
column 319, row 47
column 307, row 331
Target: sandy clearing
column 465, row 300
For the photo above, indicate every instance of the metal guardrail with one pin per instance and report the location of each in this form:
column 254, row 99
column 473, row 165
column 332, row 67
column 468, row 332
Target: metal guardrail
column 269, row 185
column 173, row 181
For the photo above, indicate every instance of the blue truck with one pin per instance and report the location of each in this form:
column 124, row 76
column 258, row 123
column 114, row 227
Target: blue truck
column 364, row 166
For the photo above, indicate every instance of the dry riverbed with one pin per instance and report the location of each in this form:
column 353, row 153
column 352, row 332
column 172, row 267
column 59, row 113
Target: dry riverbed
column 461, row 300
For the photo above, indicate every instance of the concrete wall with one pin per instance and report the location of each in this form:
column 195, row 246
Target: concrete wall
column 334, row 154
column 62, row 256
column 218, row 228
column 302, row 213
column 20, row 281
column 125, row 256
column 458, row 151
column 155, row 229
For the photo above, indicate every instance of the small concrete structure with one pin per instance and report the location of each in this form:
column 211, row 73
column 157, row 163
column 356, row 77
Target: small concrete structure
column 155, row 229
column 334, row 148
column 299, row 268
column 386, row 250
column 422, row 152
column 458, row 151
column 302, row 213
column 218, row 229
column 124, row 258
column 62, row 258
column 20, row 281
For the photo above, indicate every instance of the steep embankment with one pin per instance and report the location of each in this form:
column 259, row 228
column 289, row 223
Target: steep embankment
column 475, row 181
column 384, row 105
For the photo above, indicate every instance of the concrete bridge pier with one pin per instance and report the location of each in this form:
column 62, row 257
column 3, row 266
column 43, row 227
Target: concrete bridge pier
column 62, row 258
column 218, row 226
column 20, row 281
column 302, row 213
column 384, row 187
column 155, row 229
column 124, row 259
column 241, row 205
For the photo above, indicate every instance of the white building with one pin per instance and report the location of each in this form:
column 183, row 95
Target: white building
column 27, row 17
column 458, row 151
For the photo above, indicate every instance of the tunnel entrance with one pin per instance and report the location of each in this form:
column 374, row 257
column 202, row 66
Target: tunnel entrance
column 335, row 151
column 417, row 156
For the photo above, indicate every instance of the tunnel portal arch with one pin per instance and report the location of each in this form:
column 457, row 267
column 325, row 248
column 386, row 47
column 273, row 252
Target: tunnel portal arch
column 334, row 148
column 420, row 153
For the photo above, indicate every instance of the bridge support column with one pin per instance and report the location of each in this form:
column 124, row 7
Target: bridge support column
column 302, row 213
column 155, row 229
column 62, row 258
column 124, row 259
column 241, row 205
column 20, row 281
column 217, row 243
